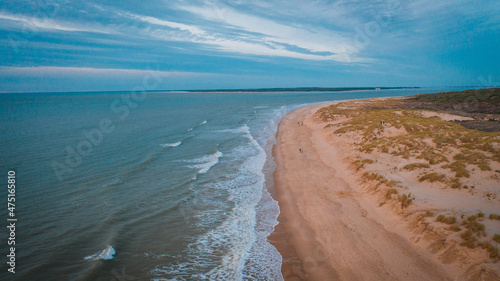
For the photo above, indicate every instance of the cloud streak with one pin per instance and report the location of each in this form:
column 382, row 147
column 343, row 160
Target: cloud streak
column 34, row 23
column 250, row 35
column 40, row 71
column 224, row 30
column 318, row 39
column 272, row 34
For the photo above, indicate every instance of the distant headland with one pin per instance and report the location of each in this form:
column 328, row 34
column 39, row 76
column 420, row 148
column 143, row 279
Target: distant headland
column 300, row 89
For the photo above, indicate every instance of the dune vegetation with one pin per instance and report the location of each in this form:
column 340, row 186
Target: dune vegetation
column 446, row 141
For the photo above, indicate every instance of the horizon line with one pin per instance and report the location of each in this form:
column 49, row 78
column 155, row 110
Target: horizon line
column 254, row 90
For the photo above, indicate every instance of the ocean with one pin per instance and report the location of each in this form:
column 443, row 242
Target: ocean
column 163, row 186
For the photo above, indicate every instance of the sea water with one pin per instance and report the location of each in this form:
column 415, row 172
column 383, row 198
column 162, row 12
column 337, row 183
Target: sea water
column 168, row 186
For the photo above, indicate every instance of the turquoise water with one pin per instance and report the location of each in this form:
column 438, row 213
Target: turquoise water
column 171, row 186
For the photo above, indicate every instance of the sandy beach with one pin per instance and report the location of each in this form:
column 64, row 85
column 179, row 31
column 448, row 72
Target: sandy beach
column 333, row 226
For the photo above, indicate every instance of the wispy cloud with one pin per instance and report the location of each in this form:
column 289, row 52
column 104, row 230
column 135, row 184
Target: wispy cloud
column 39, row 71
column 34, row 23
column 312, row 39
column 174, row 25
column 293, row 38
column 219, row 28
column 250, row 35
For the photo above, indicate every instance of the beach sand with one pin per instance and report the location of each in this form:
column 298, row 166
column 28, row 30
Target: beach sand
column 331, row 227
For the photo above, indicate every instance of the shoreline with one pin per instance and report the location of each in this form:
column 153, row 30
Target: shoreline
column 329, row 227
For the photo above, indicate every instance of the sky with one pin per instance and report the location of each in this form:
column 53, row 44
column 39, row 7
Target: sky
column 67, row 45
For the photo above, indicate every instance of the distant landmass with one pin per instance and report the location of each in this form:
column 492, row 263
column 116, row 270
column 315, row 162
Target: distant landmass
column 304, row 89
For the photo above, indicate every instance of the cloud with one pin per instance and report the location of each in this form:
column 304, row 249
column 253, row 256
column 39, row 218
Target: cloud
column 312, row 40
column 40, row 71
column 34, row 23
column 174, row 25
column 218, row 28
column 235, row 32
column 268, row 37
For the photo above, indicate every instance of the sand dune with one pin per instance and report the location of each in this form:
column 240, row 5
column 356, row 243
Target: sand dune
column 333, row 227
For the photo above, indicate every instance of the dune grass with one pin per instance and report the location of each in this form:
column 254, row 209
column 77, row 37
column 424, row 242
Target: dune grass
column 430, row 145
column 447, row 220
column 428, row 139
column 473, row 225
column 490, row 248
column 494, row 217
column 414, row 166
column 433, row 177
column 405, row 200
column 469, row 239
column 459, row 168
column 496, row 238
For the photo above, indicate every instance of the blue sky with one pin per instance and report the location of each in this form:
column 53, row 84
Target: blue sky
column 65, row 45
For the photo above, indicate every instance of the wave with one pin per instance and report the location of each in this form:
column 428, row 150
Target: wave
column 176, row 144
column 241, row 130
column 206, row 162
column 237, row 248
column 200, row 124
column 106, row 254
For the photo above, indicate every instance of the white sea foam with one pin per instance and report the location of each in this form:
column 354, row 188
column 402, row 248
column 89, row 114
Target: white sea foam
column 262, row 259
column 175, row 144
column 237, row 249
column 105, row 254
column 199, row 124
column 241, row 130
column 206, row 162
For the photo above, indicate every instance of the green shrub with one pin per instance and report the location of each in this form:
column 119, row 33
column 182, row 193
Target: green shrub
column 490, row 248
column 469, row 239
column 390, row 192
column 392, row 183
column 447, row 220
column 494, row 217
column 433, row 177
column 405, row 200
column 471, row 224
column 496, row 238
column 413, row 166
column 455, row 183
column 459, row 168
column 367, row 161
column 475, row 158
